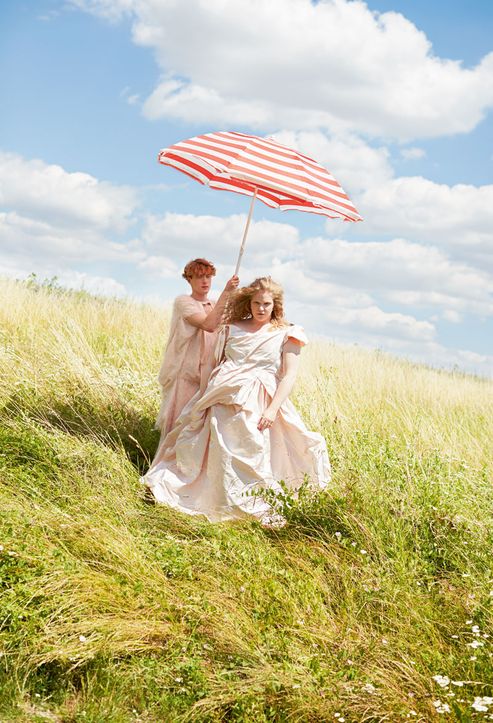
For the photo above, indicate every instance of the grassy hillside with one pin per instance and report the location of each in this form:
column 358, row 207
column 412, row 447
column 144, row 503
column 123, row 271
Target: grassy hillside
column 114, row 609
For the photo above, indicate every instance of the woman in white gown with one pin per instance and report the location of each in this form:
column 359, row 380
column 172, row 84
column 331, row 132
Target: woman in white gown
column 243, row 435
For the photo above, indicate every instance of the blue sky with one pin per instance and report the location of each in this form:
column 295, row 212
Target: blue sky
column 395, row 97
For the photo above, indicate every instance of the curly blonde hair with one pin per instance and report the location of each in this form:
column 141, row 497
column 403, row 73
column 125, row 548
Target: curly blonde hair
column 239, row 309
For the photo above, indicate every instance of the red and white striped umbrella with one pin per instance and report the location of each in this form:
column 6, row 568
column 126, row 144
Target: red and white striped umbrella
column 260, row 167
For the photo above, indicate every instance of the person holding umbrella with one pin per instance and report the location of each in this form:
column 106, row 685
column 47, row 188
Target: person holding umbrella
column 188, row 356
column 242, row 437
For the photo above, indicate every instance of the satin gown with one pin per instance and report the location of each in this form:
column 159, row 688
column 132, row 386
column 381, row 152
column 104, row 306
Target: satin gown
column 215, row 461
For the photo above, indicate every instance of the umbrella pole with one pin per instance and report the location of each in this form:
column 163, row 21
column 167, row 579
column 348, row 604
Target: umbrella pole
column 245, row 233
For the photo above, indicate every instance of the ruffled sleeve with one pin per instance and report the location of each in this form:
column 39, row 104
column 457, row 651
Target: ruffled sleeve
column 296, row 333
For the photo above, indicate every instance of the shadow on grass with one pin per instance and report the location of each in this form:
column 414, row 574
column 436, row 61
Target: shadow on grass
column 116, row 424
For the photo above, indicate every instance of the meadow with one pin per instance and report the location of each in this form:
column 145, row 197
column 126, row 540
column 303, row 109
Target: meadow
column 374, row 603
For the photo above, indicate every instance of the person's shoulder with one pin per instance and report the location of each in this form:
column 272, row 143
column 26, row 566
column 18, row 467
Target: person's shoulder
column 183, row 297
column 296, row 333
column 185, row 302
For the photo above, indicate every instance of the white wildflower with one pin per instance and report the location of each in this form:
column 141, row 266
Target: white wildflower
column 475, row 644
column 468, row 622
column 441, row 707
column 178, row 680
column 363, row 552
column 296, row 685
column 369, row 688
column 475, row 629
column 339, row 535
column 442, row 680
column 455, row 637
column 473, row 657
column 479, row 705
column 82, row 638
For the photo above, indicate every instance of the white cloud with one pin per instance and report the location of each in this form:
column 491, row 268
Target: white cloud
column 130, row 98
column 352, row 274
column 161, row 266
column 48, row 192
column 403, row 272
column 438, row 355
column 460, row 216
column 347, row 66
column 185, row 235
column 306, row 287
column 112, row 10
column 29, row 241
column 378, row 322
column 100, row 285
column 452, row 316
column 56, row 218
column 335, row 309
column 413, row 154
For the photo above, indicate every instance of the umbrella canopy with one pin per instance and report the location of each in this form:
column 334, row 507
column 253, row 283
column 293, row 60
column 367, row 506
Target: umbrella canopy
column 260, row 167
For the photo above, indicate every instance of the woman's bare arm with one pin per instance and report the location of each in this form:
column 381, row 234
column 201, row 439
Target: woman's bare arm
column 290, row 364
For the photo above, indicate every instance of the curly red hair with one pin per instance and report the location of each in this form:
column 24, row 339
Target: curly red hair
column 199, row 267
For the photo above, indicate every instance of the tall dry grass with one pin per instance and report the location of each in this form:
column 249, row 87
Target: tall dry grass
column 113, row 609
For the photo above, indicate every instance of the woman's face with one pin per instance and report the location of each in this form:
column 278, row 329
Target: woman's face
column 262, row 306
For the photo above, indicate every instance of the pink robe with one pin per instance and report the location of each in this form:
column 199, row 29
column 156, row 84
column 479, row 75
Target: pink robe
column 187, row 361
column 215, row 457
